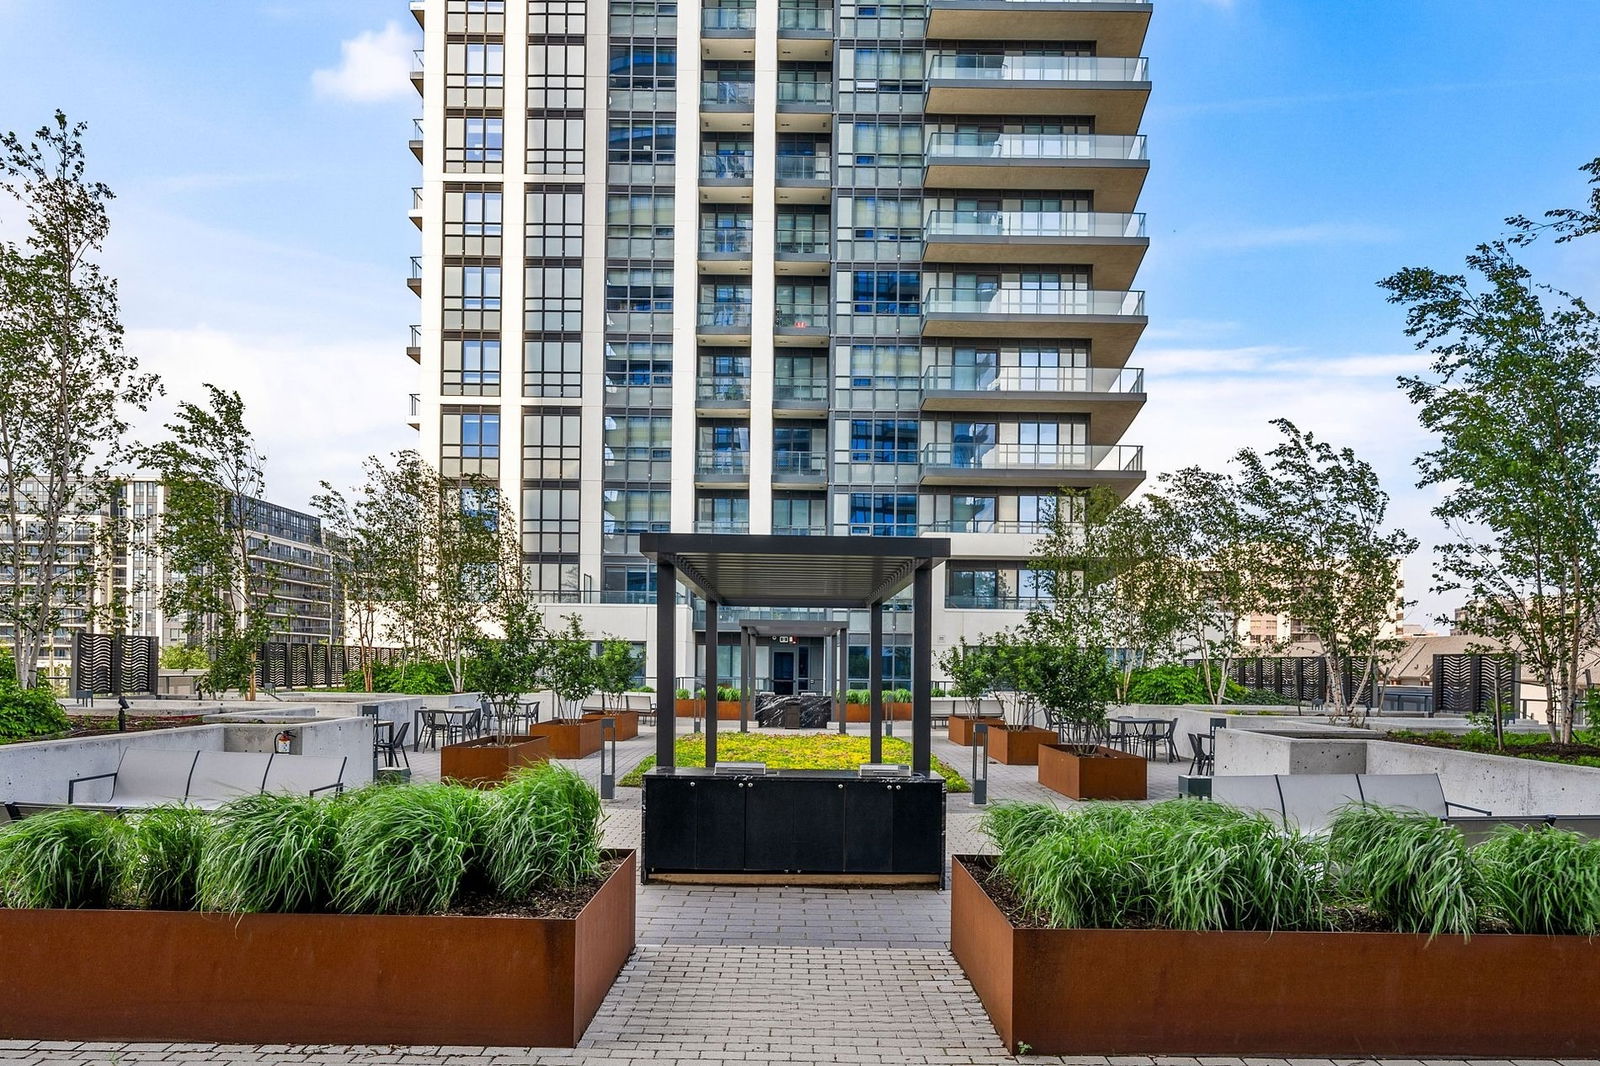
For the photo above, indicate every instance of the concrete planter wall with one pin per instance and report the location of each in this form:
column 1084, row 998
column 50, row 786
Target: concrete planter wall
column 1111, row 775
column 316, row 978
column 487, row 761
column 570, row 738
column 1160, row 992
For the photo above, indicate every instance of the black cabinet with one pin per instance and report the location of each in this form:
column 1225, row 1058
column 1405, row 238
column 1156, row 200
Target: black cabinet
column 869, row 828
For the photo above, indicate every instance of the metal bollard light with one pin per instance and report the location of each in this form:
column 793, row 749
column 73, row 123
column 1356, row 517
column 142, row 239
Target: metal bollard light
column 608, row 768
column 980, row 765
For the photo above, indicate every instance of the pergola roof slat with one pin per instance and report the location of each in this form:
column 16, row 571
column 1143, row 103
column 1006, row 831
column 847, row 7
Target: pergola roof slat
column 741, row 570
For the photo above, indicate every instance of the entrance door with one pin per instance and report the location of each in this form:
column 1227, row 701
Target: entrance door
column 783, row 672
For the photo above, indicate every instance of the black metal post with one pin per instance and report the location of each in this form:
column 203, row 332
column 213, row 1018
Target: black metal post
column 980, row 764
column 608, row 768
column 841, row 648
column 666, row 664
column 747, row 669
column 875, row 676
column 922, row 671
column 711, row 683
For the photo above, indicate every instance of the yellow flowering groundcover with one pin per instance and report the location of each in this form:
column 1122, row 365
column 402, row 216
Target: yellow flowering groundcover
column 803, row 751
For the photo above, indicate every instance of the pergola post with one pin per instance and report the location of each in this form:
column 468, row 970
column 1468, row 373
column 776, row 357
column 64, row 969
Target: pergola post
column 711, row 683
column 666, row 664
column 922, row 670
column 875, row 676
column 747, row 667
column 842, row 664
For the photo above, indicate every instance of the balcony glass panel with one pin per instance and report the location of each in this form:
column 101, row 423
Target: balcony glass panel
column 1012, row 68
column 725, row 240
column 728, row 93
column 976, row 147
column 787, row 461
column 728, row 18
column 723, row 389
column 1107, row 458
column 722, row 461
column 1032, row 379
column 801, row 390
column 805, row 167
column 805, row 18
column 728, row 166
column 1034, row 224
column 801, row 315
column 805, row 92
column 1017, row 301
column 724, row 314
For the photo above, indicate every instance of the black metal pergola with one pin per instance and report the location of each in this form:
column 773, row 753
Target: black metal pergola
column 853, row 573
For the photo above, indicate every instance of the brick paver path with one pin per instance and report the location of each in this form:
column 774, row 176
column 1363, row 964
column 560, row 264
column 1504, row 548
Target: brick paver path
column 724, row 974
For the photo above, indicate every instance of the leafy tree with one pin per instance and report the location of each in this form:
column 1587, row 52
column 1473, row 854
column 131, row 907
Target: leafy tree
column 184, row 657
column 1072, row 684
column 1211, row 572
column 973, row 669
column 1513, row 397
column 65, row 383
column 615, row 668
column 570, row 670
column 514, row 662
column 1316, row 516
column 220, row 580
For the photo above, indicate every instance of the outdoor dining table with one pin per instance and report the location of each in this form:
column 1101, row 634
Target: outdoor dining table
column 1144, row 729
column 448, row 712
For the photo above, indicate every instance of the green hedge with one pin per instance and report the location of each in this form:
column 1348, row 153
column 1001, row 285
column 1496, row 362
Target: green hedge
column 26, row 713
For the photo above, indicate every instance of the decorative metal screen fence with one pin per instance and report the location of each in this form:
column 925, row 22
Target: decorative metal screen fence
column 109, row 665
column 294, row 666
column 1475, row 684
column 1302, row 678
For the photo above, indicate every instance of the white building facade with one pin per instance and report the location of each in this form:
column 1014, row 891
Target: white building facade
column 780, row 266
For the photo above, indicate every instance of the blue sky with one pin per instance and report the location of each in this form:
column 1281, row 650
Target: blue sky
column 1301, row 150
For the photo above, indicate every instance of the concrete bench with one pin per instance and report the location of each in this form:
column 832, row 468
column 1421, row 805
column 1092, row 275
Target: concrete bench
column 1312, row 801
column 147, row 777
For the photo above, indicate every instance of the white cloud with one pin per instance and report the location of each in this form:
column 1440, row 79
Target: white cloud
column 1242, row 238
column 373, row 66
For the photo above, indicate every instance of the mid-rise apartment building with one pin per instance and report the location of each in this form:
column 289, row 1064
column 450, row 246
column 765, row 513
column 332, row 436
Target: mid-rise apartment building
column 780, row 266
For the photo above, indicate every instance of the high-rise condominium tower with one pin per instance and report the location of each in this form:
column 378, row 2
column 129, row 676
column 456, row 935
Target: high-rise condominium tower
column 780, row 266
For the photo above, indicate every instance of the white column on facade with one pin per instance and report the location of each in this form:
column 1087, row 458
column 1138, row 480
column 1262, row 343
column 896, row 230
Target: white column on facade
column 686, row 271
column 513, row 255
column 432, row 181
column 592, row 457
column 763, row 280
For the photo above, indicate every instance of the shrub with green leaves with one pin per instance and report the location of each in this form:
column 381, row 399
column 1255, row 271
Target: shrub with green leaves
column 1544, row 881
column 273, row 853
column 406, row 850
column 29, row 712
column 62, row 858
column 541, row 829
column 166, row 848
column 1412, row 870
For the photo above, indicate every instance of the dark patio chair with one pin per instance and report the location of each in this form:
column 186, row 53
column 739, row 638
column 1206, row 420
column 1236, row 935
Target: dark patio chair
column 1164, row 736
column 396, row 745
column 1203, row 761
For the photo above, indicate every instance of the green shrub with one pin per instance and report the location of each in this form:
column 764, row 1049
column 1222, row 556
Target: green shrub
column 412, row 679
column 62, row 858
column 1412, row 870
column 541, row 830
column 727, row 694
column 28, row 712
column 406, row 850
column 163, row 868
column 899, row 695
column 1541, row 881
column 1167, row 685
column 273, row 853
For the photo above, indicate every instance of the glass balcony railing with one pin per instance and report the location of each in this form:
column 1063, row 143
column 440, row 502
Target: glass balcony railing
column 799, row 390
column 416, row 198
column 728, row 93
column 721, row 525
column 1007, row 69
column 800, row 531
column 1032, row 379
column 1044, row 147
column 725, row 241
column 728, row 18
column 1063, row 224
column 1046, row 3
column 787, row 461
column 994, row 601
column 805, row 18
column 805, row 167
column 801, row 316
column 1018, row 301
column 722, row 461
column 729, row 390
column 416, row 403
column 988, row 525
column 728, row 166
column 805, row 92
column 1098, row 458
column 801, row 243
column 724, row 314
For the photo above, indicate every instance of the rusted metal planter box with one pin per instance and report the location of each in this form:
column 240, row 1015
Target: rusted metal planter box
column 727, row 710
column 487, row 761
column 961, row 726
column 1018, row 745
column 1322, row 995
column 1112, row 774
column 627, row 722
column 316, row 978
column 570, row 738
column 892, row 712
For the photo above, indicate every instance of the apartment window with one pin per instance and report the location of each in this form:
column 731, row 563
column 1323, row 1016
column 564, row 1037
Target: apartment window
column 638, row 290
column 555, row 75
column 640, row 66
column 645, row 438
column 634, row 511
column 471, row 366
column 726, row 230
column 470, row 442
column 474, row 143
column 556, row 578
column 1035, row 512
column 628, row 583
column 725, row 439
column 996, row 587
column 883, row 440
column 878, row 514
column 802, row 303
column 882, row 144
column 967, row 514
column 886, row 292
column 555, row 144
column 881, row 65
column 556, row 18
column 475, row 74
column 639, row 364
column 551, row 444
column 554, row 299
column 799, row 514
column 970, row 442
column 885, row 366
column 550, row 520
column 723, row 514
column 552, row 366
column 555, row 222
column 472, row 296
column 725, row 303
column 641, row 141
column 472, row 220
column 803, row 231
column 885, row 218
column 639, row 226
column 475, row 16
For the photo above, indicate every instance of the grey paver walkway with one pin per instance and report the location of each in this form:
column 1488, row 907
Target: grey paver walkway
column 734, row 974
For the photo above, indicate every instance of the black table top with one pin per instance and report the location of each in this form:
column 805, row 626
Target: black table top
column 701, row 772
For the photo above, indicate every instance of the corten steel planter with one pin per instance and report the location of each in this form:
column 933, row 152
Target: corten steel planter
column 961, row 727
column 1110, row 775
column 727, row 710
column 627, row 722
column 487, row 761
column 570, row 738
column 315, row 978
column 1018, row 745
column 1320, row 995
column 892, row 712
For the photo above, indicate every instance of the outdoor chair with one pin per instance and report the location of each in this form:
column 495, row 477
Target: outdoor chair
column 435, row 724
column 219, row 776
column 1312, row 801
column 144, row 777
column 1118, row 735
column 1203, row 761
column 395, row 745
column 1163, row 737
column 305, row 775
